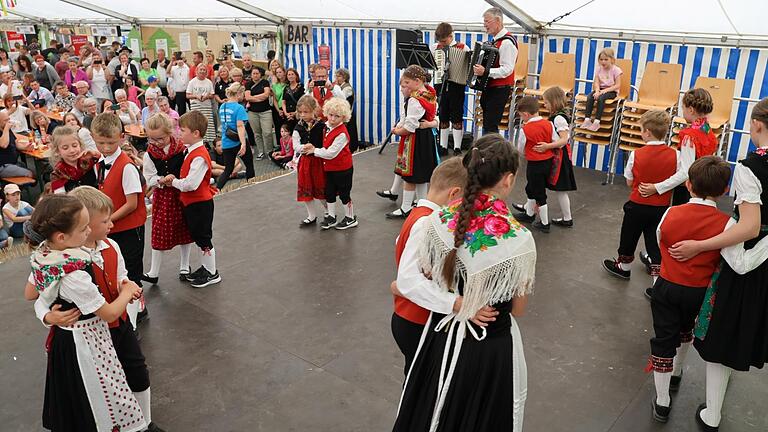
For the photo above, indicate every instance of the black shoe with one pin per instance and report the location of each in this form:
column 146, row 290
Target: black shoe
column 457, row 152
column 328, row 223
column 523, row 217
column 703, row 426
column 612, row 267
column 205, row 279
column 142, row 316
column 398, row 214
column 541, row 227
column 147, row 278
column 137, row 333
column 195, row 274
column 387, row 194
column 153, row 427
column 649, row 293
column 660, row 413
column 518, row 207
column 562, row 222
column 184, row 273
column 645, row 259
column 346, row 223
column 442, row 151
column 674, row 383
column 307, row 222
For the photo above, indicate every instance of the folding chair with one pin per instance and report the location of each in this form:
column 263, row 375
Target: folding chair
column 720, row 118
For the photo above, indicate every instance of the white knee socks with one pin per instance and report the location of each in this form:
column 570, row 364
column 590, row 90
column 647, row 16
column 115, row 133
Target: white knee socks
column 349, row 210
column 323, row 205
column 157, row 261
column 662, row 379
column 144, row 400
column 407, row 203
column 332, row 209
column 186, row 249
column 458, row 135
column 717, row 383
column 311, row 215
column 444, row 133
column 397, row 185
column 544, row 214
column 682, row 353
column 530, row 207
column 421, row 190
column 208, row 260
column 565, row 204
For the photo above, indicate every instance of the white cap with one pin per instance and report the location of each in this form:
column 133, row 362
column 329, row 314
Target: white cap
column 11, row 189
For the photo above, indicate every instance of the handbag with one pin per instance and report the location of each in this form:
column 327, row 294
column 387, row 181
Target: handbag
column 231, row 133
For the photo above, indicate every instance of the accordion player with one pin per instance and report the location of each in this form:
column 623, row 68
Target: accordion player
column 485, row 55
column 494, row 76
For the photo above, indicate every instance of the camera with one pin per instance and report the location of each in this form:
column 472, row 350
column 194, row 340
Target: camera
column 320, row 83
column 18, row 97
column 97, row 62
column 115, row 107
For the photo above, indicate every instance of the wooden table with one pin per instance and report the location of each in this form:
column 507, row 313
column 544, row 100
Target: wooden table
column 52, row 115
column 135, row 130
column 37, row 158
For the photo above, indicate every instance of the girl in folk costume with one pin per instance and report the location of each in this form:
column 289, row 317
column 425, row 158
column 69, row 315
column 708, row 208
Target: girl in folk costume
column 72, row 165
column 311, row 175
column 476, row 248
column 732, row 327
column 164, row 156
column 416, row 155
column 561, row 179
column 85, row 387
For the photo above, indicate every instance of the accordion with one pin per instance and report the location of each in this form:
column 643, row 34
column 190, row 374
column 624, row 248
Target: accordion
column 440, row 63
column 485, row 55
column 459, row 68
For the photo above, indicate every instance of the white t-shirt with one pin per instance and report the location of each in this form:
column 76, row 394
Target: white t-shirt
column 200, row 87
column 126, row 118
column 13, row 210
column 19, row 117
column 153, row 91
column 179, row 78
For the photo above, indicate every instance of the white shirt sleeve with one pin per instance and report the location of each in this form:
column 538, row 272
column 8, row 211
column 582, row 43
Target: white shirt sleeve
column 196, row 173
column 746, row 186
column 296, row 141
column 150, row 171
column 334, row 149
column 415, row 113
column 630, row 164
column 41, row 310
column 86, row 138
column 131, row 180
column 412, row 283
column 658, row 227
column 78, row 288
column 561, row 125
column 338, row 92
column 744, row 261
column 507, row 59
column 685, row 158
column 521, row 139
column 122, row 272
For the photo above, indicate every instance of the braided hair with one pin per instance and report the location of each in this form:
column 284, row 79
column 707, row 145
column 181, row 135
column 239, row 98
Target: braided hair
column 760, row 112
column 699, row 99
column 54, row 213
column 489, row 160
column 416, row 72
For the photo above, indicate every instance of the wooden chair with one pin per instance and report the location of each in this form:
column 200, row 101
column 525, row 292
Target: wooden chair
column 557, row 70
column 722, row 97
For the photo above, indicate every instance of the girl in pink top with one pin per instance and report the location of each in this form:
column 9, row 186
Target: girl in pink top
column 607, row 82
column 132, row 91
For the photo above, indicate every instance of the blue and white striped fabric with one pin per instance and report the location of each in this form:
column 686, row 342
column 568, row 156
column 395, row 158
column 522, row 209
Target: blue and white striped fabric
column 369, row 55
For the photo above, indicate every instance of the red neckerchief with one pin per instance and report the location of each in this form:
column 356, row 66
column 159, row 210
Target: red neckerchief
column 702, row 124
column 174, row 148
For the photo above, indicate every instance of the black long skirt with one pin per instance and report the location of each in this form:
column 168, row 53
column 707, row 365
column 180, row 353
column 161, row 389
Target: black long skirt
column 738, row 330
column 566, row 180
column 424, row 157
column 480, row 396
column 66, row 407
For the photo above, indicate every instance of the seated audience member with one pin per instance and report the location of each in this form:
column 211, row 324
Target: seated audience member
column 9, row 157
column 44, row 125
column 150, row 109
column 45, row 74
column 129, row 112
column 285, row 154
column 10, row 85
column 217, row 162
column 64, row 98
column 83, row 133
column 15, row 211
column 78, row 108
column 90, row 105
column 17, row 113
column 82, row 88
column 165, row 107
column 40, row 96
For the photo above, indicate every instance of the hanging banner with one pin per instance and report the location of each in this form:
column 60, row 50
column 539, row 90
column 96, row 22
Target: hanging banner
column 78, row 41
column 161, row 44
column 185, row 42
column 324, row 55
column 14, row 38
column 135, row 47
column 298, row 33
column 102, row 30
column 25, row 29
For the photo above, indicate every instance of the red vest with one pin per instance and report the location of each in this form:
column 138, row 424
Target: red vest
column 509, row 80
column 405, row 308
column 106, row 279
column 536, row 132
column 690, row 222
column 320, row 100
column 705, row 143
column 113, row 188
column 204, row 191
column 343, row 160
column 653, row 164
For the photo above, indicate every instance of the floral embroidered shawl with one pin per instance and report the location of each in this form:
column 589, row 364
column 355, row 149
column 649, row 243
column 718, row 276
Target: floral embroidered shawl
column 496, row 262
column 50, row 266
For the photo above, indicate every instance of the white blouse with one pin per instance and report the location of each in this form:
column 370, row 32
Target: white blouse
column 415, row 112
column 746, row 186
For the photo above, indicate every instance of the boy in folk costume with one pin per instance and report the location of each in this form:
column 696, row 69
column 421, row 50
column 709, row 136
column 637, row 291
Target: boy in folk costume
column 678, row 293
column 196, row 196
column 415, row 294
column 450, row 94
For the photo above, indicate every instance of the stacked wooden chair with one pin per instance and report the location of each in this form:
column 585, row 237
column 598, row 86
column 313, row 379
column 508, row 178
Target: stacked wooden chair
column 720, row 118
column 558, row 70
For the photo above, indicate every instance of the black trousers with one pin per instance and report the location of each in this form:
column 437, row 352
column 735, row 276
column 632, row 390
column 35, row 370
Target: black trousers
column 280, row 161
column 674, row 308
column 640, row 219
column 199, row 218
column 338, row 183
column 536, row 176
column 600, row 104
column 230, row 158
column 131, row 244
column 130, row 356
column 407, row 335
column 493, row 101
column 451, row 104
column 180, row 102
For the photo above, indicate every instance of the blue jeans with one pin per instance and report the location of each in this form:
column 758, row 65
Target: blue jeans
column 3, row 238
column 17, row 229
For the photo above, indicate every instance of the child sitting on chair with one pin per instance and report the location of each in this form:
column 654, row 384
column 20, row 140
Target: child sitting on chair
column 607, row 83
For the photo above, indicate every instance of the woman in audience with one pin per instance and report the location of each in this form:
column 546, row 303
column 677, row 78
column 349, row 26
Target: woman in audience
column 232, row 118
column 23, row 66
column 84, row 134
column 200, row 97
column 278, row 87
column 165, row 107
column 146, row 72
column 107, row 106
column 129, row 112
column 100, row 78
column 342, row 80
column 150, row 109
column 223, row 81
column 6, row 64
column 123, row 69
column 17, row 113
column 73, row 75
column 259, row 113
column 293, row 91
column 44, row 125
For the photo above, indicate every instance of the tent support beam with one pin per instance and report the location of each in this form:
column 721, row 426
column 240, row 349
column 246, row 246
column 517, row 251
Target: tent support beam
column 104, row 11
column 518, row 15
column 253, row 10
column 682, row 39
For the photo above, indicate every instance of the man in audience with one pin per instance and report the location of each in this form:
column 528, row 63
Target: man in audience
column 40, row 96
column 197, row 58
column 161, row 66
column 9, row 157
column 178, row 75
column 78, row 108
column 64, row 99
column 83, row 88
column 89, row 106
column 62, row 64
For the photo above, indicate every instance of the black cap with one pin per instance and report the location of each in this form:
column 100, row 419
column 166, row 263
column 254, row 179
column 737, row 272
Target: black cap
column 125, row 48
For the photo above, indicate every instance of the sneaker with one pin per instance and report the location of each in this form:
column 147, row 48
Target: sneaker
column 153, row 427
column 649, row 293
column 703, row 426
column 387, row 194
column 205, row 279
column 195, row 274
column 523, row 217
column 307, row 222
column 594, row 127
column 660, row 413
column 541, row 227
column 142, row 316
column 674, row 383
column 240, row 175
column 442, row 151
column 347, row 222
column 612, row 267
column 147, row 278
column 328, row 223
column 398, row 214
column 518, row 207
column 457, row 152
column 587, row 124
column 645, row 259
column 260, row 156
column 562, row 222
column 184, row 273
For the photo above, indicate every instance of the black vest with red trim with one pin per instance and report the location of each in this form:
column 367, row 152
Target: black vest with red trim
column 405, row 308
column 510, row 79
column 343, row 160
column 653, row 164
column 106, row 279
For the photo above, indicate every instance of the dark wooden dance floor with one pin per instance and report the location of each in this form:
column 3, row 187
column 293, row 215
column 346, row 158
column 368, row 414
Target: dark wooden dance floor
column 297, row 337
